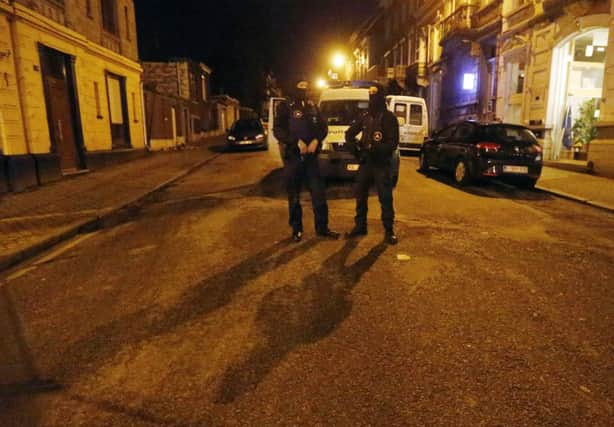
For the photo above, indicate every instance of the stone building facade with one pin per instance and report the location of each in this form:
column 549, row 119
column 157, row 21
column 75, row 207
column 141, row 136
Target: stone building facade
column 178, row 103
column 538, row 63
column 70, row 88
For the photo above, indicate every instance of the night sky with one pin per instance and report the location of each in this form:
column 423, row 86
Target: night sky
column 243, row 39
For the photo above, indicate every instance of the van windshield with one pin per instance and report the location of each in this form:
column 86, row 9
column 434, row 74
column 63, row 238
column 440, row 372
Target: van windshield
column 342, row 112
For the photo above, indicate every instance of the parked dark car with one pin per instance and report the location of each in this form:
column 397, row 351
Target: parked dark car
column 473, row 151
column 247, row 133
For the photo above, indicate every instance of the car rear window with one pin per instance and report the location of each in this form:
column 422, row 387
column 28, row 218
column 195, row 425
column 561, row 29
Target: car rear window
column 503, row 134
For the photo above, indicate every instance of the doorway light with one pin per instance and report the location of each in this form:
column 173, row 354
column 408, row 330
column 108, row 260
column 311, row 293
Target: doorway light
column 469, row 81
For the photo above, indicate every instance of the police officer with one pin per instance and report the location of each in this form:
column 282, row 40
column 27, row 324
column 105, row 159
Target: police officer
column 375, row 150
column 300, row 129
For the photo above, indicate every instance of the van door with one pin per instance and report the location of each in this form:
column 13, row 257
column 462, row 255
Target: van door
column 273, row 104
column 401, row 111
column 417, row 123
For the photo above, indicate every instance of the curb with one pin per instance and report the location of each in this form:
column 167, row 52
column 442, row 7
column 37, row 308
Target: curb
column 599, row 205
column 100, row 221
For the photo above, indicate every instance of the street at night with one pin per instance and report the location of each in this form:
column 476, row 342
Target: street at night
column 495, row 308
column 306, row 213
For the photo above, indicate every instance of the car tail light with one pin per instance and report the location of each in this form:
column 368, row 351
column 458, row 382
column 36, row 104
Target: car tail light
column 488, row 147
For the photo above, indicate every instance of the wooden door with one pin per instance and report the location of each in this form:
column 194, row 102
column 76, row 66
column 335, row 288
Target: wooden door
column 60, row 108
column 118, row 111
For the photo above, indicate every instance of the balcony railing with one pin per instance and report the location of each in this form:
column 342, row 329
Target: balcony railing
column 459, row 21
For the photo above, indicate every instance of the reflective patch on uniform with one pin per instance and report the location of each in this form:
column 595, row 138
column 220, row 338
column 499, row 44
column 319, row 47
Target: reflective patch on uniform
column 297, row 114
column 378, row 136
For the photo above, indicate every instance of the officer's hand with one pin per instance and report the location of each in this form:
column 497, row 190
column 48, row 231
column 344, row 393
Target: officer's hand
column 302, row 146
column 313, row 146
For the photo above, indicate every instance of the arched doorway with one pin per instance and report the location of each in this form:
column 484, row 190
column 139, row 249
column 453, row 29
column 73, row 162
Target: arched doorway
column 576, row 77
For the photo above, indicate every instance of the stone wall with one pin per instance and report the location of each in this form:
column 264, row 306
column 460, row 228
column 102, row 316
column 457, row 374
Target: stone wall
column 75, row 15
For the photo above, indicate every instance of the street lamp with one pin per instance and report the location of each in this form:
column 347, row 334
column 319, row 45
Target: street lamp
column 339, row 60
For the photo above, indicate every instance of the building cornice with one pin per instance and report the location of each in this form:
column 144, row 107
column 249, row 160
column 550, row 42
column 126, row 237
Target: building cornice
column 42, row 23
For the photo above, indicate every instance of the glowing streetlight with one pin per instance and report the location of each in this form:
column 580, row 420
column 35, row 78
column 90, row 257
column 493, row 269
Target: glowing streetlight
column 339, row 60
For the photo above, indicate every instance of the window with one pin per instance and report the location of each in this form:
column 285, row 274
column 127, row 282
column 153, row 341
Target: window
column 127, row 21
column 97, row 99
column 135, row 113
column 464, row 131
column 400, row 110
column 342, row 113
column 109, row 20
column 415, row 115
column 203, row 86
column 446, row 133
column 469, row 81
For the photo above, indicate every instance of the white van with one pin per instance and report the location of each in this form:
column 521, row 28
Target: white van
column 273, row 104
column 341, row 106
column 412, row 115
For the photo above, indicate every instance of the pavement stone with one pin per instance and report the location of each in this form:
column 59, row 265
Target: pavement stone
column 33, row 220
column 590, row 189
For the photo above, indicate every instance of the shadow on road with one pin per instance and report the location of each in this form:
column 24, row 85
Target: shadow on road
column 290, row 316
column 273, row 186
column 103, row 343
column 487, row 188
column 223, row 148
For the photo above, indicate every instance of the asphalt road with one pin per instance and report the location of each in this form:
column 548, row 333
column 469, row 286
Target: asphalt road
column 200, row 311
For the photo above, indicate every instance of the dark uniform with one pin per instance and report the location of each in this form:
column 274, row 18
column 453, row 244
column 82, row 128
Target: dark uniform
column 375, row 150
column 295, row 121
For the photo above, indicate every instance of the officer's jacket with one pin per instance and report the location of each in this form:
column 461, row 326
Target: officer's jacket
column 379, row 140
column 298, row 120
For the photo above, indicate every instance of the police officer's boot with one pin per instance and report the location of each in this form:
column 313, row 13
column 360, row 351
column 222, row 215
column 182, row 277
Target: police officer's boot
column 329, row 234
column 356, row 232
column 391, row 238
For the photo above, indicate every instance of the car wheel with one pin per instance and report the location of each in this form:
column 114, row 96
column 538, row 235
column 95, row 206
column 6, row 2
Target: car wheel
column 529, row 183
column 462, row 175
column 424, row 166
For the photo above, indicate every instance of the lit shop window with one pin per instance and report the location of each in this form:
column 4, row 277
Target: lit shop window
column 469, row 81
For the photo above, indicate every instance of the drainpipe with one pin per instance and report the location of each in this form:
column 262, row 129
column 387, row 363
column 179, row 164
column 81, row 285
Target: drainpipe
column 12, row 18
column 144, row 118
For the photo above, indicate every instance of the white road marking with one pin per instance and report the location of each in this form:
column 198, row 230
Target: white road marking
column 47, row 258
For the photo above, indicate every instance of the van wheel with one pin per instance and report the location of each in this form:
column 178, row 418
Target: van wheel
column 462, row 175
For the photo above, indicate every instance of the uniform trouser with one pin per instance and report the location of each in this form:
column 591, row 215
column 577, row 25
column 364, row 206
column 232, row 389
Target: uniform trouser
column 296, row 172
column 380, row 175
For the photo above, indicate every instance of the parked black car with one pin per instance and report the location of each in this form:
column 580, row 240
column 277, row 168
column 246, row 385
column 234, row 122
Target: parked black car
column 247, row 133
column 473, row 150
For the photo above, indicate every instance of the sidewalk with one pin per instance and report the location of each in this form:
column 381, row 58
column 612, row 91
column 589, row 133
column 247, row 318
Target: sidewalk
column 590, row 189
column 33, row 221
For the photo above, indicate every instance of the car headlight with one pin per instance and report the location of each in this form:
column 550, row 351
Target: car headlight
column 259, row 137
column 231, row 138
